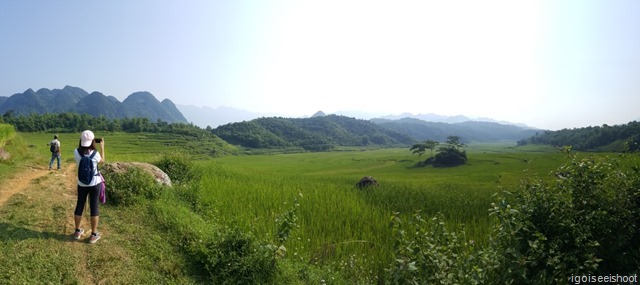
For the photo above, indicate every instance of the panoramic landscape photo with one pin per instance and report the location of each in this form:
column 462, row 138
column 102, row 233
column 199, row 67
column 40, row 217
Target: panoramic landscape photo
column 333, row 142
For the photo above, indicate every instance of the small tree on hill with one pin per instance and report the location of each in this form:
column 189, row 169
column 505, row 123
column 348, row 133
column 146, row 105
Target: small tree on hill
column 455, row 142
column 431, row 144
column 450, row 154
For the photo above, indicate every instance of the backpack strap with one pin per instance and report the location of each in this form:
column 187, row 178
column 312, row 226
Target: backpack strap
column 91, row 157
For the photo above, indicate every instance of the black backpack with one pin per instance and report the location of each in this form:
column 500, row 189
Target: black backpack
column 53, row 147
column 86, row 171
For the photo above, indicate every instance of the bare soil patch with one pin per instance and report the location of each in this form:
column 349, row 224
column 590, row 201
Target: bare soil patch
column 20, row 182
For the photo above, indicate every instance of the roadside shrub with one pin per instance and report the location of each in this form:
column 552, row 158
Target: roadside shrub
column 586, row 221
column 223, row 255
column 426, row 252
column 129, row 187
column 234, row 257
column 178, row 166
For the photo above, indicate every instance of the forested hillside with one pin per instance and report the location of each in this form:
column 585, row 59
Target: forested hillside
column 468, row 131
column 77, row 100
column 605, row 137
column 316, row 134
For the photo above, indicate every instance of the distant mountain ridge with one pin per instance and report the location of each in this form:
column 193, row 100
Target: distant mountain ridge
column 76, row 100
column 467, row 130
column 214, row 117
column 431, row 117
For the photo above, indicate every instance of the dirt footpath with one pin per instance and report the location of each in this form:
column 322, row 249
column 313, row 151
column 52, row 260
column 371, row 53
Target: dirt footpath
column 20, row 182
column 58, row 188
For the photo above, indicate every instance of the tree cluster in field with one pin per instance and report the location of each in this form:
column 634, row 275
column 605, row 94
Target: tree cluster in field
column 605, row 137
column 319, row 133
column 451, row 154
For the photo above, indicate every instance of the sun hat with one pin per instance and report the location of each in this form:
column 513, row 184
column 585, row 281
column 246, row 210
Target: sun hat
column 86, row 138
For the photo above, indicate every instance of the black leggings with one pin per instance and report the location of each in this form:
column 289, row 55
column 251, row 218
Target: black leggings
column 94, row 193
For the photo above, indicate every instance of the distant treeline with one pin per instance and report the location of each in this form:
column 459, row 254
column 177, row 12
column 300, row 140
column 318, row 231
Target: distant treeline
column 608, row 138
column 74, row 122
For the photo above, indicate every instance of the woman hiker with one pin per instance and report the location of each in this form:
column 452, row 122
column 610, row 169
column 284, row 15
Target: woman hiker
column 88, row 185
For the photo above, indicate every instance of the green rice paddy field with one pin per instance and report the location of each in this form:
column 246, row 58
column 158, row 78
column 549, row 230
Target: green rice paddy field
column 337, row 223
column 336, row 219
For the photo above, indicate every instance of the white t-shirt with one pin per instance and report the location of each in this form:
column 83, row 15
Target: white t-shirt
column 56, row 142
column 96, row 178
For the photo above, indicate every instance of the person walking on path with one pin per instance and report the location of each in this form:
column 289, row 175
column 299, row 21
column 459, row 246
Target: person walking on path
column 88, row 185
column 54, row 147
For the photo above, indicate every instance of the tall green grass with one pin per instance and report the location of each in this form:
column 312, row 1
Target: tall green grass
column 6, row 133
column 14, row 151
column 343, row 226
column 338, row 227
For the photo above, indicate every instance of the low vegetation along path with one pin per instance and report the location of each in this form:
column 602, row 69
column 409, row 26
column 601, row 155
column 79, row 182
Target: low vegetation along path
column 46, row 200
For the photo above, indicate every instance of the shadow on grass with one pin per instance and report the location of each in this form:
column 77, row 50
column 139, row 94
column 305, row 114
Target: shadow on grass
column 431, row 162
column 423, row 163
column 10, row 232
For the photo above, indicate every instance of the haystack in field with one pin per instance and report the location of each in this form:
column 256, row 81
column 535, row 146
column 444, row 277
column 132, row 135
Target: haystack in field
column 366, row 181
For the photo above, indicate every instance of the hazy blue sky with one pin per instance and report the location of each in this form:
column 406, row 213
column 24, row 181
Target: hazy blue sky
column 549, row 64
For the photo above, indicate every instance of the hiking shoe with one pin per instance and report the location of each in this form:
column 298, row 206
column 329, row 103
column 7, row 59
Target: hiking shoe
column 78, row 233
column 93, row 238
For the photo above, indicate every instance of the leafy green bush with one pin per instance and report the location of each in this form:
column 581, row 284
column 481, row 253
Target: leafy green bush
column 128, row 187
column 586, row 221
column 234, row 257
column 224, row 255
column 427, row 253
column 178, row 166
column 450, row 157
